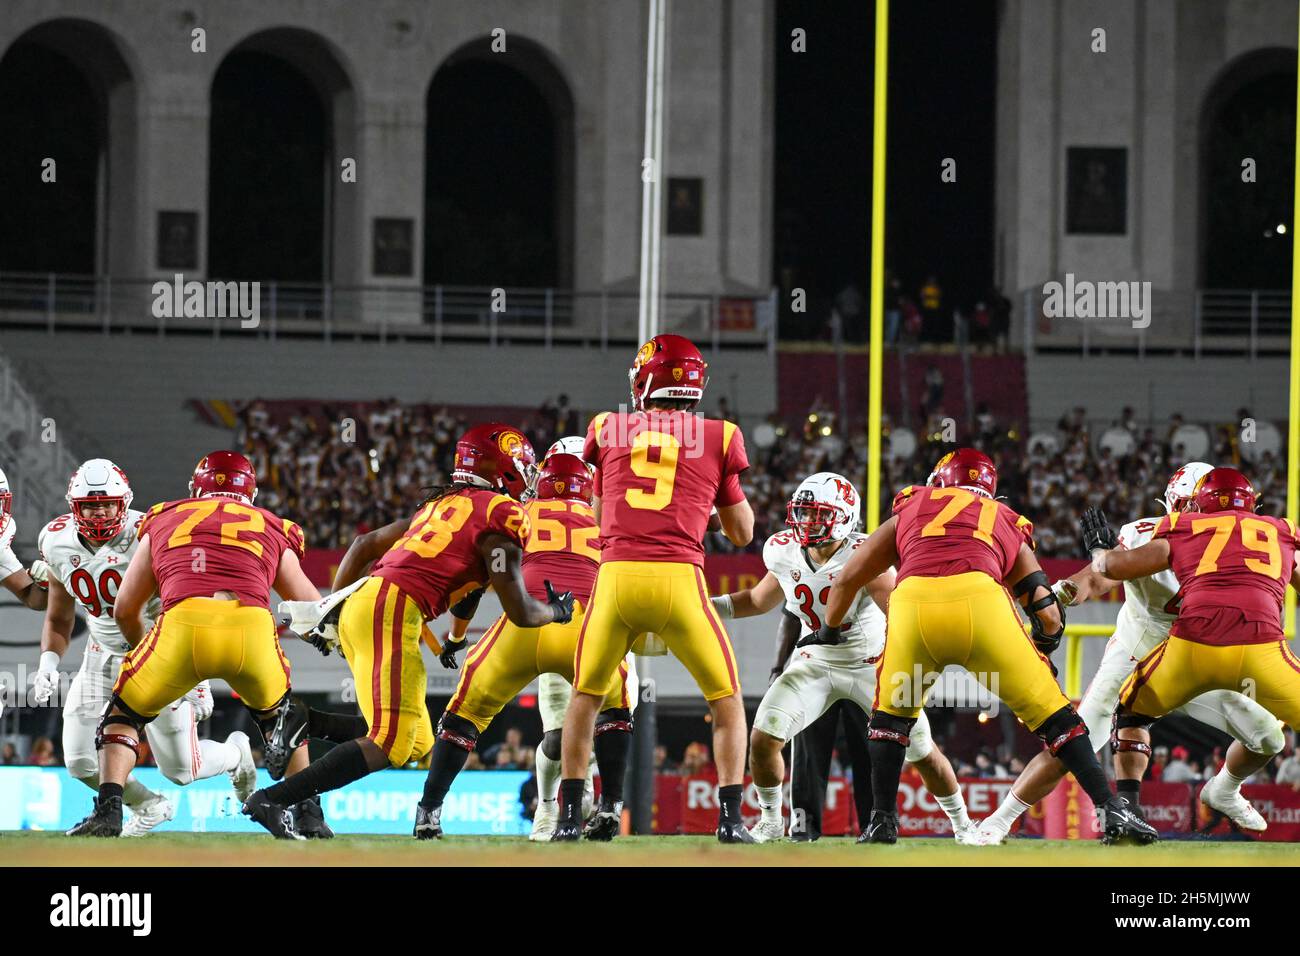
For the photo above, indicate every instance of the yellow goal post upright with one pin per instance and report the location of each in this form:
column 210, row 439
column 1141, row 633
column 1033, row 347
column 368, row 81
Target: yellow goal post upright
column 1075, row 633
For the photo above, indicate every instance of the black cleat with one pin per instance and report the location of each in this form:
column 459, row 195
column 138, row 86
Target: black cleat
column 275, row 819
column 1122, row 822
column 309, row 820
column 428, row 823
column 881, row 828
column 286, row 736
column 567, row 831
column 733, row 831
column 104, row 821
column 606, row 822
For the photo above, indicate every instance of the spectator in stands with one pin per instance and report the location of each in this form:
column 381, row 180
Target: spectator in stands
column 509, row 754
column 931, row 296
column 934, row 388
column 42, row 754
column 1179, row 769
column 1159, row 760
column 1288, row 768
column 695, row 760
column 8, row 754
column 893, row 309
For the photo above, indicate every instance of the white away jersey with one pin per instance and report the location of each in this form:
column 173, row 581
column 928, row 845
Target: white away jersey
column 92, row 577
column 9, row 563
column 1148, row 600
column 807, row 590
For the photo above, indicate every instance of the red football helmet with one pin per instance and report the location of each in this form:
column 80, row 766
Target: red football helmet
column 565, row 477
column 225, row 473
column 668, row 366
column 966, row 468
column 1224, row 489
column 497, row 456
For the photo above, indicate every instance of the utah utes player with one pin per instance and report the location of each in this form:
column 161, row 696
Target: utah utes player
column 802, row 563
column 389, row 583
column 87, row 551
column 1150, row 605
column 558, row 548
column 27, row 586
column 958, row 551
column 1234, row 566
column 213, row 558
column 660, row 471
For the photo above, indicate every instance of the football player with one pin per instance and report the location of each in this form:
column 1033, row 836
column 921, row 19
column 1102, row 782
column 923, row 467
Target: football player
column 213, row 558
column 1150, row 606
column 802, row 563
column 958, row 551
column 87, row 551
column 389, row 583
column 29, row 588
column 1234, row 566
column 660, row 471
column 559, row 548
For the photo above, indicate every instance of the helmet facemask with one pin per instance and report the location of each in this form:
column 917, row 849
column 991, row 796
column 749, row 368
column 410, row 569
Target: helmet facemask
column 812, row 521
column 101, row 527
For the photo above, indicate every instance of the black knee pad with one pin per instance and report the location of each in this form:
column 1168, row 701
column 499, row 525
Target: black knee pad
column 127, row 718
column 552, row 741
column 458, row 731
column 890, row 728
column 616, row 718
column 1062, row 727
column 1124, row 721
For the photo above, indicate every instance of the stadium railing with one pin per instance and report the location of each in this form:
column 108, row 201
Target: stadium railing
column 57, row 302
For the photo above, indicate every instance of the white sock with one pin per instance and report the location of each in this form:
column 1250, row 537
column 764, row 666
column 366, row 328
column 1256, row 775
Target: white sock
column 1006, row 814
column 769, row 799
column 1227, row 782
column 216, row 756
column 548, row 776
column 955, row 807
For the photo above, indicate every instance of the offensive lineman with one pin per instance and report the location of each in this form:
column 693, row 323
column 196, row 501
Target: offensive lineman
column 213, row 558
column 958, row 550
column 802, row 563
column 87, row 550
column 1143, row 624
column 660, row 470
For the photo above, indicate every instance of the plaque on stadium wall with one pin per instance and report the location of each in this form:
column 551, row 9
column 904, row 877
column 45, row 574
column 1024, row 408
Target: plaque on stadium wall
column 1096, row 198
column 685, row 199
column 178, row 240
column 394, row 247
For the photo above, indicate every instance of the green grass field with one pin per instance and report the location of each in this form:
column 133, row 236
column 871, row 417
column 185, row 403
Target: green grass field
column 231, row 849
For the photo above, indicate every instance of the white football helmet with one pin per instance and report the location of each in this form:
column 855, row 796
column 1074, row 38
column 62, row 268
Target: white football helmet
column 1182, row 485
column 98, row 482
column 569, row 445
column 825, row 507
column 6, row 499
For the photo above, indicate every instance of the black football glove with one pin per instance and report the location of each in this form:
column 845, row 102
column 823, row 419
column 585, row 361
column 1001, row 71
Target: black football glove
column 317, row 640
column 1097, row 532
column 561, row 604
column 823, row 635
column 449, row 650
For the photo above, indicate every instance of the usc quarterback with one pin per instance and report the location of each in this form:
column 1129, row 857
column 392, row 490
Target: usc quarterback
column 559, row 547
column 957, row 549
column 1234, row 566
column 463, row 536
column 212, row 558
column 660, row 470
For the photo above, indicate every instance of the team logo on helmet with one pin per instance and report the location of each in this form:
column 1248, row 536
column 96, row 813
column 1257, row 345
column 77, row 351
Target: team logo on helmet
column 972, row 473
column 846, row 491
column 559, row 487
column 677, row 375
column 944, row 460
column 219, row 478
column 646, row 353
column 511, row 443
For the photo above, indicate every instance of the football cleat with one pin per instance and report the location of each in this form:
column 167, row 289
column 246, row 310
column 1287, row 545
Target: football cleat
column 983, row 835
column 768, row 831
column 965, row 833
column 104, row 821
column 309, row 820
column 428, row 823
column 607, row 822
column 545, row 817
column 566, row 831
column 1233, row 805
column 734, row 832
column 148, row 815
column 275, row 819
column 244, row 777
column 286, row 736
column 1123, row 822
column 881, row 828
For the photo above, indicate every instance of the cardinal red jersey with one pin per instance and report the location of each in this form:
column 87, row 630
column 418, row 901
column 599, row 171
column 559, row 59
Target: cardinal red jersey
column 946, row 531
column 200, row 546
column 437, row 561
column 658, row 476
column 1233, row 568
column 561, row 548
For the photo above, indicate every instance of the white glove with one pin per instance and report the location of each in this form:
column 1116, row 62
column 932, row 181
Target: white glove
column 1066, row 590
column 46, row 679
column 200, row 699
column 723, row 605
column 40, row 572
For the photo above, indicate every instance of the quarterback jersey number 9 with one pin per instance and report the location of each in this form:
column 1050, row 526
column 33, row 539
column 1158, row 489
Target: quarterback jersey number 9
column 663, row 472
column 433, row 526
column 1257, row 536
column 246, row 519
column 961, row 500
column 550, row 534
